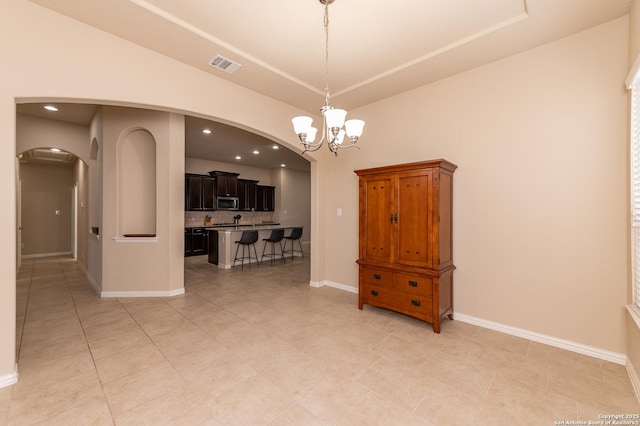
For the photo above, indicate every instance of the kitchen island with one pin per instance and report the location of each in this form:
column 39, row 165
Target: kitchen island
column 227, row 235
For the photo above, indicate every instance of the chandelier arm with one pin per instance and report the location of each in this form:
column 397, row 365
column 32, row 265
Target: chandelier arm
column 310, row 148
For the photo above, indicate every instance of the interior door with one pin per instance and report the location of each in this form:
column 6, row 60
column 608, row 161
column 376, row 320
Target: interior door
column 74, row 221
column 19, row 223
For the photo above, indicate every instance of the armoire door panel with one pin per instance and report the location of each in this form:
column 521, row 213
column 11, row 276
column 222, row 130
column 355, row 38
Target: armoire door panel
column 414, row 219
column 377, row 244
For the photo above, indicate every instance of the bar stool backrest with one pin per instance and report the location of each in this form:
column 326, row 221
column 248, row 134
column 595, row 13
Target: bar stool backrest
column 276, row 235
column 248, row 237
column 296, row 233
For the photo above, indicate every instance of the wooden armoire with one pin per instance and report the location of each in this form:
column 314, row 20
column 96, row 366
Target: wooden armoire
column 405, row 252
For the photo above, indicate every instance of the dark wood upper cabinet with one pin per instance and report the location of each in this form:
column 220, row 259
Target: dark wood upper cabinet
column 199, row 192
column 266, row 198
column 247, row 191
column 208, row 193
column 226, row 183
column 193, row 192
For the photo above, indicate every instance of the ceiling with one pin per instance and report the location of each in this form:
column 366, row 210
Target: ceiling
column 223, row 144
column 376, row 48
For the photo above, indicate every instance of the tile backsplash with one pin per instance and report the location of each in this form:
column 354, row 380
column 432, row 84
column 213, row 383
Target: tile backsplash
column 192, row 218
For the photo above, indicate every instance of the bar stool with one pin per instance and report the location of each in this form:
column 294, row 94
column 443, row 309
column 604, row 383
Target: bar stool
column 295, row 235
column 247, row 240
column 276, row 237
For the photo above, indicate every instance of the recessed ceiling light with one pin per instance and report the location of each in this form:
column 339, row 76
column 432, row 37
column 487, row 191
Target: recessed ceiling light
column 50, row 108
column 255, row 151
column 283, row 165
column 54, row 150
column 238, row 157
column 275, row 147
column 206, row 131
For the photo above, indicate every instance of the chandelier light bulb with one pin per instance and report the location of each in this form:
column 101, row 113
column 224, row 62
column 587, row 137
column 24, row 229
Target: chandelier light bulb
column 311, row 135
column 354, row 128
column 301, row 124
column 335, row 117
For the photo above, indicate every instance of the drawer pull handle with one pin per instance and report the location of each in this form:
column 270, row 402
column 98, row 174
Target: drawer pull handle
column 413, row 283
column 415, row 302
column 377, row 276
column 374, row 292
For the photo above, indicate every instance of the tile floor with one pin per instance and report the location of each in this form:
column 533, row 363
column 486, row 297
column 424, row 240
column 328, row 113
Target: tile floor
column 260, row 346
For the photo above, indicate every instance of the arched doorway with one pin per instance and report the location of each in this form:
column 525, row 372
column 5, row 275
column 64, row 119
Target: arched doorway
column 51, row 203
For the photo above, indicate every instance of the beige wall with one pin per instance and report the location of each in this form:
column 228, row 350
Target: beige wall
column 91, row 65
column 80, row 178
column 633, row 330
column 200, row 166
column 45, row 190
column 137, row 265
column 293, row 199
column 34, row 132
column 539, row 138
column 540, row 195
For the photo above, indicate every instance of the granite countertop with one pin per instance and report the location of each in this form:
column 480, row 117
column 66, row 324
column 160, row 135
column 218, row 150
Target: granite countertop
column 232, row 226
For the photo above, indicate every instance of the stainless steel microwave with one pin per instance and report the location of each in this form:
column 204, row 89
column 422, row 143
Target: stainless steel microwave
column 227, row 203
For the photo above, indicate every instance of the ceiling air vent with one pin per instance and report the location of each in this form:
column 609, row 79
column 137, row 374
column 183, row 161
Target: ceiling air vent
column 224, row 64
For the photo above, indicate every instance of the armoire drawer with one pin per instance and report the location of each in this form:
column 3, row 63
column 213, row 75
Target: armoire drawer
column 414, row 284
column 377, row 277
column 398, row 301
column 414, row 303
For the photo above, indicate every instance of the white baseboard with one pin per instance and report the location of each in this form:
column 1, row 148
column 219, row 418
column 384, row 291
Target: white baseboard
column 635, row 380
column 93, row 282
column 339, row 286
column 9, row 379
column 170, row 293
column 123, row 294
column 614, row 357
column 35, row 256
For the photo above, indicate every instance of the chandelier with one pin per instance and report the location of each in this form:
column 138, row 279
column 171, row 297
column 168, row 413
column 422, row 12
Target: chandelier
column 333, row 119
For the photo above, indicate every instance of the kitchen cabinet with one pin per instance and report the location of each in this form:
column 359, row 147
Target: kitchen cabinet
column 247, row 191
column 405, row 227
column 199, row 192
column 196, row 241
column 226, row 183
column 213, row 247
column 266, row 198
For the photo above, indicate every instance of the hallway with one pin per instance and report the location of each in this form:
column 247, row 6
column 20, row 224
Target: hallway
column 261, row 346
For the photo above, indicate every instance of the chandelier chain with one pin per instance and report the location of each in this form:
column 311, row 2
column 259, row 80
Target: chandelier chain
column 332, row 119
column 326, row 53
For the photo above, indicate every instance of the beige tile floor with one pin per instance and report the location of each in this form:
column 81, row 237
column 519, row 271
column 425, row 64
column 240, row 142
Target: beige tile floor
column 260, row 346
